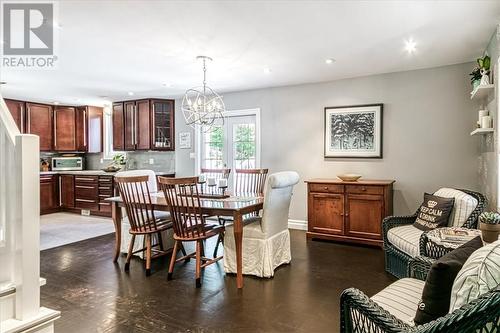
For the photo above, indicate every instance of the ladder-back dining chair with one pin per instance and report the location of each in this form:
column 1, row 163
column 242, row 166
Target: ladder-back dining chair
column 189, row 223
column 246, row 182
column 135, row 193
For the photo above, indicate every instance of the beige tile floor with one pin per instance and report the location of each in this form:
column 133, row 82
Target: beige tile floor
column 63, row 228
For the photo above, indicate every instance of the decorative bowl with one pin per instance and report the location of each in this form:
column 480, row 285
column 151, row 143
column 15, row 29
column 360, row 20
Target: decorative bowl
column 111, row 168
column 349, row 177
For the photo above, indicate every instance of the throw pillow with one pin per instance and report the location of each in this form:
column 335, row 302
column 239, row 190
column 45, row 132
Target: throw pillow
column 434, row 212
column 435, row 301
column 480, row 274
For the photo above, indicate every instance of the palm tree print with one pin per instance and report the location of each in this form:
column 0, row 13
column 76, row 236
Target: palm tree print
column 352, row 131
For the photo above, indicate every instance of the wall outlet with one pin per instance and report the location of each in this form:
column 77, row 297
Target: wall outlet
column 192, row 155
column 151, row 161
column 102, row 160
column 85, row 212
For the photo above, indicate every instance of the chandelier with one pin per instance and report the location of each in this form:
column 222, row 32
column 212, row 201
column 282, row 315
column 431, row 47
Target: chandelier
column 201, row 105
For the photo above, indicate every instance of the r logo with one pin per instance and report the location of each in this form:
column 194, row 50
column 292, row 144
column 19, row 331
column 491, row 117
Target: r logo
column 28, row 28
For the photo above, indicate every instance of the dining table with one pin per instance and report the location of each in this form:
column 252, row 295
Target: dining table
column 231, row 206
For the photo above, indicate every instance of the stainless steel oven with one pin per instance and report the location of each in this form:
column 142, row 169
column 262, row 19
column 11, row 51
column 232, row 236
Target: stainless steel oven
column 67, row 163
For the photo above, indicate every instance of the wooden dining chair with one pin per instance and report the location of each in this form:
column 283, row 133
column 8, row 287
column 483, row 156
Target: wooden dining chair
column 189, row 222
column 246, row 182
column 250, row 181
column 134, row 191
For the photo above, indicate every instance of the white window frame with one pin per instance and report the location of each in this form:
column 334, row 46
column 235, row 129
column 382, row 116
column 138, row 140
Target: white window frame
column 230, row 113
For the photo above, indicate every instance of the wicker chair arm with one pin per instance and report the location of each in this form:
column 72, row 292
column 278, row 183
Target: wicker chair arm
column 395, row 221
column 480, row 315
column 419, row 267
column 359, row 311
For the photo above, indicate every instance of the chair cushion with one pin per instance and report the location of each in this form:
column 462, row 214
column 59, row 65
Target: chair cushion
column 434, row 212
column 464, row 205
column 480, row 274
column 437, row 290
column 251, row 228
column 405, row 238
column 401, row 298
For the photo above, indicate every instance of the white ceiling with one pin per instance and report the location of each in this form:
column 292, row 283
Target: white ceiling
column 108, row 48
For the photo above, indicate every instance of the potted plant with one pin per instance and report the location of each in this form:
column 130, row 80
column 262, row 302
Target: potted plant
column 480, row 74
column 489, row 224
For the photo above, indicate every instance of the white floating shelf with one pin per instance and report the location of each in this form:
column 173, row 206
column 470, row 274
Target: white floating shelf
column 482, row 131
column 482, row 91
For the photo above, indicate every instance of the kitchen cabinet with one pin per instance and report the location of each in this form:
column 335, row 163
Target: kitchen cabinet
column 81, row 134
column 67, row 191
column 118, row 127
column 163, row 124
column 130, row 130
column 105, row 191
column 49, row 199
column 39, row 122
column 65, row 128
column 348, row 211
column 87, row 192
column 17, row 110
column 147, row 124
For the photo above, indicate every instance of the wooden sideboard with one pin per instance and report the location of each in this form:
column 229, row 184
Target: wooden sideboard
column 348, row 211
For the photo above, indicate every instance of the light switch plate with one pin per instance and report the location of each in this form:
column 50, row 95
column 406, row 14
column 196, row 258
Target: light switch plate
column 151, row 161
column 85, row 212
column 102, row 160
column 192, row 155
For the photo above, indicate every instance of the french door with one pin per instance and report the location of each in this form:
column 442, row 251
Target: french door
column 234, row 145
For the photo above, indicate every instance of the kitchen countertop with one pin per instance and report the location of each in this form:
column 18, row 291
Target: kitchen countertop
column 93, row 173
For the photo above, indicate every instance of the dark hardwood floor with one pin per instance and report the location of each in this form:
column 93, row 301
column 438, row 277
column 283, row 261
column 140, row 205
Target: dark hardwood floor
column 95, row 295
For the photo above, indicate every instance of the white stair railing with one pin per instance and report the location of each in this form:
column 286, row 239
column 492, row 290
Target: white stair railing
column 20, row 224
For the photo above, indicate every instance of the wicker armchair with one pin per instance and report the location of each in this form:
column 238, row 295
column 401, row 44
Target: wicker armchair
column 396, row 261
column 360, row 314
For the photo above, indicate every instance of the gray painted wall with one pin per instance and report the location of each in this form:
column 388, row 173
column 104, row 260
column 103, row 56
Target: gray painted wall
column 428, row 117
column 488, row 159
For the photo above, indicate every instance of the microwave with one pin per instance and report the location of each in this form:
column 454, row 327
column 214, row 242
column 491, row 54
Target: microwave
column 67, row 163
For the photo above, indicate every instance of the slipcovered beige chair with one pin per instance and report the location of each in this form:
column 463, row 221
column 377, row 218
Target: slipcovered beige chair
column 266, row 239
column 167, row 236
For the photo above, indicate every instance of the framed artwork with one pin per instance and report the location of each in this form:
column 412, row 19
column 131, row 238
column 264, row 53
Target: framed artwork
column 185, row 140
column 354, row 131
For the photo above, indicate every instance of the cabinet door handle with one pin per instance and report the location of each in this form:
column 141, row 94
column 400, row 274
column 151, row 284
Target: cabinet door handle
column 87, row 187
column 363, row 188
column 55, row 129
column 341, row 214
column 85, row 179
column 325, row 188
column 84, row 200
column 60, row 191
column 85, row 128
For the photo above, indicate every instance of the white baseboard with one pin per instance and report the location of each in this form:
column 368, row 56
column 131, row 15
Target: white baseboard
column 297, row 224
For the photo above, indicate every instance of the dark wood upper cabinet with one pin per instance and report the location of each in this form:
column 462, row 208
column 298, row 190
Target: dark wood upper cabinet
column 118, row 127
column 130, row 125
column 17, row 109
column 81, row 135
column 95, row 120
column 163, row 124
column 39, row 122
column 64, row 128
column 143, row 128
column 147, row 124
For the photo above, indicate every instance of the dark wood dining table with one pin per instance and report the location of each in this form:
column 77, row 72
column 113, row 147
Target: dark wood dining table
column 234, row 207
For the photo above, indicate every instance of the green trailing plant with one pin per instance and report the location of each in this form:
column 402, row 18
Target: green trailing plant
column 475, row 75
column 489, row 218
column 119, row 159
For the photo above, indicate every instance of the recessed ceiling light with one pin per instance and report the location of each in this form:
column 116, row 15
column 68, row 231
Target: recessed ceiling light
column 131, row 93
column 329, row 61
column 56, row 103
column 410, row 46
column 267, row 71
column 3, row 82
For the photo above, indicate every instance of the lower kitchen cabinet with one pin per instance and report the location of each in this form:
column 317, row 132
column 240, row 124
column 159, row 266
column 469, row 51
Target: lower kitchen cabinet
column 49, row 198
column 67, row 191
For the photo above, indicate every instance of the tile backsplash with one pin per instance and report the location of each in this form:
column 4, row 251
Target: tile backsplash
column 162, row 161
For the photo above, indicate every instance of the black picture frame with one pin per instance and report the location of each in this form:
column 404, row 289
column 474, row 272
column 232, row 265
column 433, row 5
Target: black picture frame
column 376, row 152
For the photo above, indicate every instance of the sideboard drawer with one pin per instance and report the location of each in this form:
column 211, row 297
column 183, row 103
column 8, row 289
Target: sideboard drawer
column 362, row 189
column 326, row 188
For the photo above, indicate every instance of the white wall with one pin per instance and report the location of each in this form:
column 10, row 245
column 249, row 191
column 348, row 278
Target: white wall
column 428, row 117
